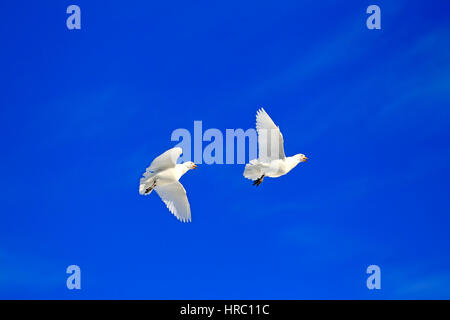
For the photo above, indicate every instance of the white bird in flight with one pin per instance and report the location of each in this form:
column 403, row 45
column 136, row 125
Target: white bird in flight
column 163, row 175
column 271, row 160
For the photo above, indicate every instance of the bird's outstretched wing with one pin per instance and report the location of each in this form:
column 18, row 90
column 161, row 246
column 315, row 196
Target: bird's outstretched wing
column 165, row 161
column 175, row 198
column 270, row 139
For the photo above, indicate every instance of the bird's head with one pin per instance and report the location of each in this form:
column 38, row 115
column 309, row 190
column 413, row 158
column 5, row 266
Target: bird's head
column 190, row 165
column 300, row 157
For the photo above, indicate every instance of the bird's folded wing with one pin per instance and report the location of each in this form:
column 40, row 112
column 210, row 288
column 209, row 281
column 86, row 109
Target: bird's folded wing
column 167, row 160
column 270, row 139
column 175, row 198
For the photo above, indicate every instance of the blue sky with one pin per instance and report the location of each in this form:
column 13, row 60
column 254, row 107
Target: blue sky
column 84, row 112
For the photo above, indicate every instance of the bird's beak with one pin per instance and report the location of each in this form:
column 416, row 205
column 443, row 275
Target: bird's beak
column 194, row 166
column 306, row 159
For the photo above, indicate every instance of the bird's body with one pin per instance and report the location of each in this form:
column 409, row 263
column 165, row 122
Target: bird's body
column 271, row 161
column 163, row 176
column 277, row 168
column 170, row 175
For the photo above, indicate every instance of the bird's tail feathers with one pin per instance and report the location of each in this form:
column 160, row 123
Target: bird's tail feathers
column 253, row 170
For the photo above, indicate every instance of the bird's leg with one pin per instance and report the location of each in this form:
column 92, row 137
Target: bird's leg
column 258, row 181
column 149, row 189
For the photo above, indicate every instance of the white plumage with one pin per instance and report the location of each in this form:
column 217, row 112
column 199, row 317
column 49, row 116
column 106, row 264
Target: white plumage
column 271, row 161
column 163, row 175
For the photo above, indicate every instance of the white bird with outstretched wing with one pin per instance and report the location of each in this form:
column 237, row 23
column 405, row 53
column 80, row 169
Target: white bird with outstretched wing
column 271, row 161
column 163, row 175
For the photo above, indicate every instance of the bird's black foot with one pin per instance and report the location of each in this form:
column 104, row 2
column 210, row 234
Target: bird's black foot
column 149, row 189
column 257, row 182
